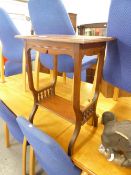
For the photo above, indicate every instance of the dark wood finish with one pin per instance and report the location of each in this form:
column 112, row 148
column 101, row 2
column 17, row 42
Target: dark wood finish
column 90, row 73
column 83, row 27
column 52, row 104
column 73, row 18
column 92, row 27
column 77, row 47
column 64, row 42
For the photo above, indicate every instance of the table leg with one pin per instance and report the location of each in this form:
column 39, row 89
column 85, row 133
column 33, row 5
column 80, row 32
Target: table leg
column 55, row 64
column 74, row 137
column 37, row 69
column 76, row 98
column 97, row 82
column 31, row 117
column 29, row 70
column 31, row 83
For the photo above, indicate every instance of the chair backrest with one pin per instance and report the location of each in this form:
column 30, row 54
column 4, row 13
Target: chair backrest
column 11, row 47
column 117, row 68
column 50, row 155
column 10, row 118
column 50, row 17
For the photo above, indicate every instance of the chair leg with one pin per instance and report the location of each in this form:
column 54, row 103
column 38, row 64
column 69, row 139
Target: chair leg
column 32, row 162
column 52, row 74
column 116, row 93
column 24, row 149
column 1, row 66
column 24, row 69
column 6, row 130
column 64, row 77
column 37, row 69
column 84, row 173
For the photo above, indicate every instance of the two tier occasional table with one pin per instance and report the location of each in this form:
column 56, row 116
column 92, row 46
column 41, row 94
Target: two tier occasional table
column 76, row 47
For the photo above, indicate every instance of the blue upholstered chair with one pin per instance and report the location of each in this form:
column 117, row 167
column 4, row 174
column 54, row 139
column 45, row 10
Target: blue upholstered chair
column 10, row 119
column 12, row 48
column 117, row 68
column 49, row 154
column 50, row 17
column 11, row 125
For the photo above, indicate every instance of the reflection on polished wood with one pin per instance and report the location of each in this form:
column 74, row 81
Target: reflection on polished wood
column 86, row 155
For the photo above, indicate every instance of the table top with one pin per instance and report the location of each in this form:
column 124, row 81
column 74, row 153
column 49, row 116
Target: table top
column 86, row 154
column 76, row 39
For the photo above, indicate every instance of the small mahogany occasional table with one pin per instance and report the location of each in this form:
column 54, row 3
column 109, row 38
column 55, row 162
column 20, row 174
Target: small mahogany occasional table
column 76, row 46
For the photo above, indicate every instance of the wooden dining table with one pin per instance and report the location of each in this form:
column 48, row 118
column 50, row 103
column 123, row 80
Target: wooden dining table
column 87, row 155
column 76, row 46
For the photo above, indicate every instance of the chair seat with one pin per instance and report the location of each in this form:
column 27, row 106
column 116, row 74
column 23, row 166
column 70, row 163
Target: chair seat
column 15, row 67
column 11, row 48
column 49, row 153
column 66, row 63
column 10, row 118
column 87, row 61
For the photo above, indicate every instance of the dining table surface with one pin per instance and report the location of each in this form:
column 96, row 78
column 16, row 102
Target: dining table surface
column 86, row 150
column 87, row 155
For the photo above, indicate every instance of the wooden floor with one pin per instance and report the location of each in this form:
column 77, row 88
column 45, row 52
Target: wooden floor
column 12, row 93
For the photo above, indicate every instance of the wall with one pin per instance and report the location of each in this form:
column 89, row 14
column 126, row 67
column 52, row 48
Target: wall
column 18, row 12
column 88, row 11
